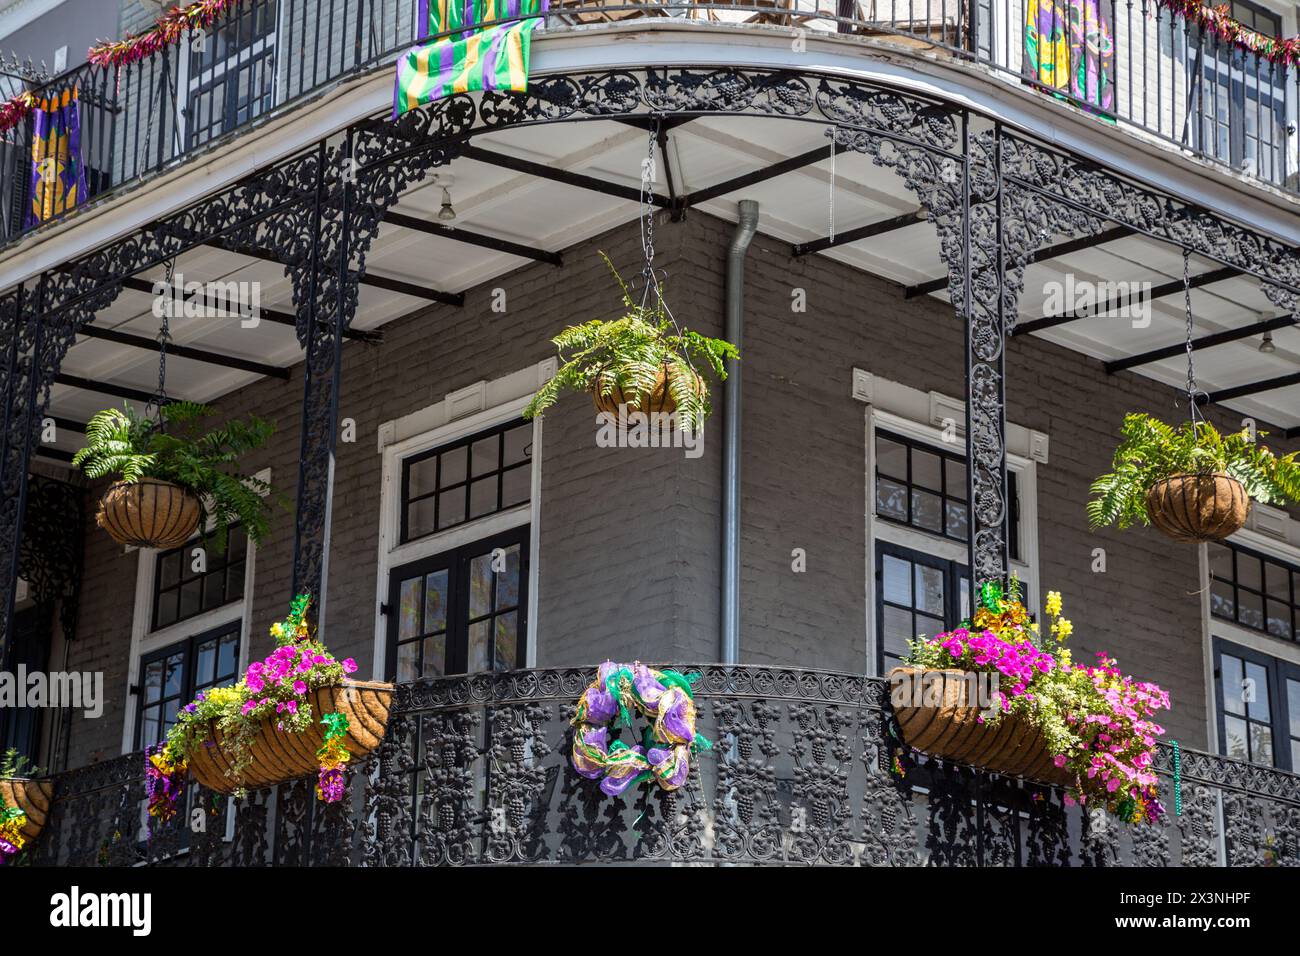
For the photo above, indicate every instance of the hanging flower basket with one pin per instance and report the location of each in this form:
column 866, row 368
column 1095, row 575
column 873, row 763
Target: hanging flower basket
column 279, row 756
column 32, row 797
column 149, row 513
column 1195, row 508
column 946, row 723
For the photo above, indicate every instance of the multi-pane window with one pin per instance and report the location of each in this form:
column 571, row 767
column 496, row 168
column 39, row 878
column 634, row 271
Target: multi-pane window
column 917, row 594
column 1258, row 702
column 467, row 479
column 461, row 611
column 232, row 71
column 1254, row 591
column 921, row 486
column 171, row 677
column 924, row 487
column 1238, row 100
column 185, row 587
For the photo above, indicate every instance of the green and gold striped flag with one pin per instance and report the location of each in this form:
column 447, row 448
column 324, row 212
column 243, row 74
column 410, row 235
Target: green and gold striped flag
column 487, row 58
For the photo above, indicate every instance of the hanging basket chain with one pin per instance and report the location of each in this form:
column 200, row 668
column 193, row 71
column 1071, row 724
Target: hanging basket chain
column 1193, row 409
column 159, row 397
column 647, row 210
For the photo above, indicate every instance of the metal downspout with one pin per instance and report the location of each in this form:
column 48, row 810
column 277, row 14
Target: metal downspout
column 734, row 333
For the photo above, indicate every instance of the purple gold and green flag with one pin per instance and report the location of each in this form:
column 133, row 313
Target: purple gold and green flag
column 494, row 57
column 58, row 181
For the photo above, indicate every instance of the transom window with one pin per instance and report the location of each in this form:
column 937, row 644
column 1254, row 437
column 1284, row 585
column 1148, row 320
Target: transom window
column 181, row 592
column 921, row 486
column 1254, row 591
column 172, row 676
column 924, row 487
column 467, row 479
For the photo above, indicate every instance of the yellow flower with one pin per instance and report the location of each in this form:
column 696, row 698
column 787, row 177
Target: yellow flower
column 1053, row 603
column 1034, row 626
column 277, row 629
column 1062, row 629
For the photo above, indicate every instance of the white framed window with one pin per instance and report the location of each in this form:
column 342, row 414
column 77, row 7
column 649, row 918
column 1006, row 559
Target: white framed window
column 189, row 629
column 460, row 515
column 917, row 515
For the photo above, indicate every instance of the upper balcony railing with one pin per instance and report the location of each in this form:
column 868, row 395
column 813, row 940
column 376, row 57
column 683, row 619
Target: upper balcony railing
column 476, row 770
column 1127, row 62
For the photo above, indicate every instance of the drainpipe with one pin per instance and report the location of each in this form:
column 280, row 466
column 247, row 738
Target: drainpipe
column 734, row 333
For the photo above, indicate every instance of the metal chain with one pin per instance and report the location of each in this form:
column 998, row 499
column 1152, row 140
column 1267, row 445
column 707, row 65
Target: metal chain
column 159, row 397
column 648, row 237
column 1193, row 410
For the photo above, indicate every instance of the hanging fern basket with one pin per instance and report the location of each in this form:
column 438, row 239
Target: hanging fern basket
column 945, row 723
column 1196, row 508
column 32, row 797
column 149, row 513
column 657, row 399
column 278, row 756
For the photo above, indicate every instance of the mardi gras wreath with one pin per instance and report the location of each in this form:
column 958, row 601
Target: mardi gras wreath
column 664, row 753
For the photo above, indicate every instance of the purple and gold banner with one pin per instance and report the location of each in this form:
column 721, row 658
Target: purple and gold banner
column 58, row 181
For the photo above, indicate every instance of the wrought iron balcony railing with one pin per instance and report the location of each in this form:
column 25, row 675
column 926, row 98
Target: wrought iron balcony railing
column 475, row 770
column 1130, row 62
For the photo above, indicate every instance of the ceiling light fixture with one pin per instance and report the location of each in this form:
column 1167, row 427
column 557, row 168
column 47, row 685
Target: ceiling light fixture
column 1267, row 345
column 446, row 213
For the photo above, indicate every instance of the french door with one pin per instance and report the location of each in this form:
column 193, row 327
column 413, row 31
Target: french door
column 461, row 611
column 916, row 594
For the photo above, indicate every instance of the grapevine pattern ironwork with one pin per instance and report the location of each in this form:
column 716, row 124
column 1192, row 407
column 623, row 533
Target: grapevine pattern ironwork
column 475, row 771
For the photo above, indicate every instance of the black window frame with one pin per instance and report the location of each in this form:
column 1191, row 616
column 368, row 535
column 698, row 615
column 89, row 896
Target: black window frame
column 1292, row 601
column 188, row 648
column 440, row 452
column 456, row 562
column 945, row 455
column 1279, row 672
column 222, row 566
column 954, row 572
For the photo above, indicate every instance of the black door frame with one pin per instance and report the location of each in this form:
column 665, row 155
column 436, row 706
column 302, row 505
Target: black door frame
column 953, row 572
column 456, row 561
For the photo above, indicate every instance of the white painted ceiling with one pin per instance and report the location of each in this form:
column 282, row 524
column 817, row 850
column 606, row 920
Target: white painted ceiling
column 796, row 207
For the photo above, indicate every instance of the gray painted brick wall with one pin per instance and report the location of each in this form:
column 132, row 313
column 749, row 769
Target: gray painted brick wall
column 630, row 539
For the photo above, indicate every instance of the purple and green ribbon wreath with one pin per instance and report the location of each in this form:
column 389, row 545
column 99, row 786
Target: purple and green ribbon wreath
column 618, row 693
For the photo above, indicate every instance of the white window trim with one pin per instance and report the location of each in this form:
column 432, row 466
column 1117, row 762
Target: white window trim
column 481, row 406
column 145, row 641
column 923, row 416
column 1212, row 627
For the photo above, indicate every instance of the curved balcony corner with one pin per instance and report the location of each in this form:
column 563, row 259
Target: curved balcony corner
column 1143, row 69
